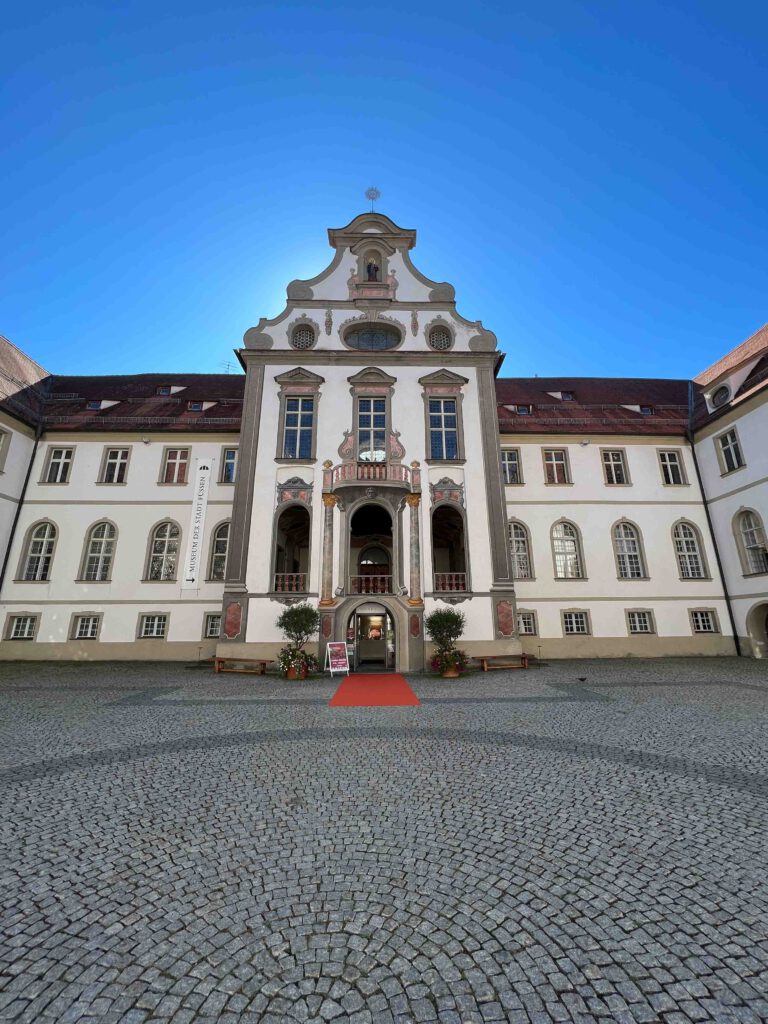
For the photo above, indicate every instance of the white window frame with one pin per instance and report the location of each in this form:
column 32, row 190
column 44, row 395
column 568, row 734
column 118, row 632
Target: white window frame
column 176, row 460
column 628, row 551
column 99, row 553
column 94, row 619
column 648, row 613
column 511, row 457
column 613, row 467
column 217, row 562
column 668, row 467
column 42, row 556
column 227, row 464
column 689, row 551
column 118, row 464
column 556, row 459
column 58, row 464
column 13, row 631
column 531, row 615
column 569, row 614
column 561, row 556
column 518, row 534
column 207, row 619
column 153, row 618
column 696, row 614
column 306, row 405
column 729, row 450
column 164, row 552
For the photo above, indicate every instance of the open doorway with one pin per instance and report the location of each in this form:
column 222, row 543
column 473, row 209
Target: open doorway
column 370, row 549
column 371, row 635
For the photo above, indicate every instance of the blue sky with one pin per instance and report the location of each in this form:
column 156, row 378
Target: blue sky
column 590, row 176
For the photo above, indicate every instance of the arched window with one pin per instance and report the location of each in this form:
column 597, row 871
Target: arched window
column 99, row 552
column 690, row 560
column 566, row 549
column 754, row 550
column 520, row 552
column 219, row 542
column 38, row 553
column 629, row 554
column 163, row 552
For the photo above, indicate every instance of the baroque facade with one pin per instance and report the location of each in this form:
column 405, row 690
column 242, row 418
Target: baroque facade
column 372, row 461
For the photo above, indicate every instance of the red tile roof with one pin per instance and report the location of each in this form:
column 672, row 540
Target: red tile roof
column 755, row 345
column 598, row 405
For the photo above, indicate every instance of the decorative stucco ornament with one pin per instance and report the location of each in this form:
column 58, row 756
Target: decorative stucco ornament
column 414, row 323
column 328, row 321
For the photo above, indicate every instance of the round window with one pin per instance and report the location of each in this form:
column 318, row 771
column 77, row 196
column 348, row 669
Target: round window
column 372, row 339
column 440, row 339
column 303, row 337
column 721, row 396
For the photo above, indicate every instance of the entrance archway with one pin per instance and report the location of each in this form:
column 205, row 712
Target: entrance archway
column 757, row 628
column 370, row 551
column 372, row 638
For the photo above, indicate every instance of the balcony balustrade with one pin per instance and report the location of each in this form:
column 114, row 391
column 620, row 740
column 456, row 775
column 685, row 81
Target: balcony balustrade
column 372, row 472
column 450, row 582
column 290, row 583
column 370, row 584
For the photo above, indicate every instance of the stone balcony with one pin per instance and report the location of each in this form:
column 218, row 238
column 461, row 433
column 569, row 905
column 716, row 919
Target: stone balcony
column 392, row 474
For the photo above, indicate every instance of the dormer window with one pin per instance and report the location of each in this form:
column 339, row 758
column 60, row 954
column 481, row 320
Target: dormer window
column 646, row 410
column 94, row 405
column 163, row 389
column 567, row 396
column 523, row 410
column 195, row 406
column 720, row 396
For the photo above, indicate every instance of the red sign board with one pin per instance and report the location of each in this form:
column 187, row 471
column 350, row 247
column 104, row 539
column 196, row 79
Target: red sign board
column 336, row 656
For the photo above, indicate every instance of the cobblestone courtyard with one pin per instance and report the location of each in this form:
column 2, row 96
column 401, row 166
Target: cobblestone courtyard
column 583, row 842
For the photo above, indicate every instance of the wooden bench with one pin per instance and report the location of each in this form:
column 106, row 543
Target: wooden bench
column 489, row 661
column 259, row 667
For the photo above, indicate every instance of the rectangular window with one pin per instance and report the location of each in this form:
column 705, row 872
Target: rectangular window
column 59, row 465
column 22, row 627
column 176, row 463
column 212, row 626
column 163, row 389
column 93, row 405
column 575, row 622
column 646, row 410
column 443, row 429
column 730, row 451
column 510, row 466
column 86, row 627
column 228, row 465
column 115, row 465
column 640, row 621
column 153, row 626
column 556, row 466
column 195, row 406
column 298, row 427
column 523, row 410
column 526, row 623
column 615, row 467
column 704, row 621
column 671, row 468
column 372, row 429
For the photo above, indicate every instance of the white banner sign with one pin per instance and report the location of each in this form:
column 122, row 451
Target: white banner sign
column 193, row 560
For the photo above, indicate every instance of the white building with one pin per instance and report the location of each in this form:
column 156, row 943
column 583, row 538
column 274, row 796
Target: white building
column 372, row 462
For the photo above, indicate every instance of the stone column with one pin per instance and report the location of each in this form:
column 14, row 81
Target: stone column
column 415, row 598
column 326, row 582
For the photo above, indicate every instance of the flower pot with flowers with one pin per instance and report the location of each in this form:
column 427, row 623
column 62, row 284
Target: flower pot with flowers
column 299, row 623
column 444, row 626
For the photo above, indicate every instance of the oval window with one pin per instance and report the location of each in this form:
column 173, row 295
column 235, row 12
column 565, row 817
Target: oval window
column 372, row 339
column 721, row 396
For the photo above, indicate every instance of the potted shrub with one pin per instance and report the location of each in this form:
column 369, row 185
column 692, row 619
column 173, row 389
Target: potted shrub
column 444, row 626
column 298, row 623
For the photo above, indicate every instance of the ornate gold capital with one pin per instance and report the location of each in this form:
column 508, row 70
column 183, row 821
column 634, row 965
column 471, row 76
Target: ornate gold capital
column 413, row 500
column 327, row 464
column 415, row 602
column 329, row 500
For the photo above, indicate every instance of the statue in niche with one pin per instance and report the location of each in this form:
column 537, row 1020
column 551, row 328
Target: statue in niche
column 372, row 269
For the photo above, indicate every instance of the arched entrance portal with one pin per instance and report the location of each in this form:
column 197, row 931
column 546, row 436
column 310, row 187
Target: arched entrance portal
column 757, row 628
column 371, row 639
column 370, row 551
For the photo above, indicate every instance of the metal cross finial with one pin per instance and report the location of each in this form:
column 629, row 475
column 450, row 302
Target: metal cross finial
column 373, row 194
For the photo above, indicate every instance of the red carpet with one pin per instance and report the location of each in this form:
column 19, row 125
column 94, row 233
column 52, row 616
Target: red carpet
column 373, row 691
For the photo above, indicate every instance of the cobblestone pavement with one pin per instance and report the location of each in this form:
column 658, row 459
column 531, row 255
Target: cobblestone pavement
column 583, row 842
